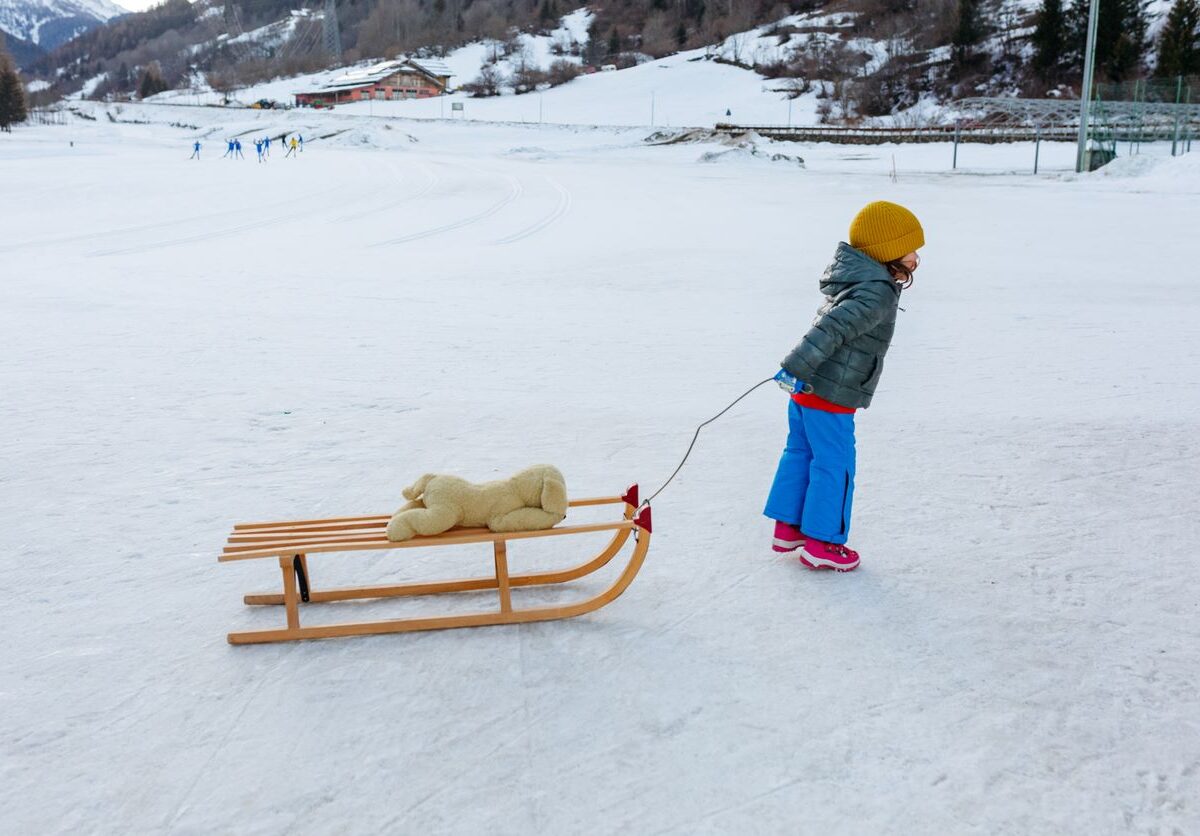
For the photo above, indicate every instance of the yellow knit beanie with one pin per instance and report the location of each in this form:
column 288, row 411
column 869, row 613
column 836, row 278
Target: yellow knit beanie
column 886, row 231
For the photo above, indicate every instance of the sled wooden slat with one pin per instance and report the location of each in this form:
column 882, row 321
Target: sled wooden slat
column 291, row 543
column 574, row 503
column 292, row 534
column 319, row 537
column 286, row 523
column 264, row 533
column 461, row 585
column 451, row 537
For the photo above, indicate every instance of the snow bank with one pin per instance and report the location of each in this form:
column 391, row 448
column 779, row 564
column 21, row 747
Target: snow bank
column 1151, row 169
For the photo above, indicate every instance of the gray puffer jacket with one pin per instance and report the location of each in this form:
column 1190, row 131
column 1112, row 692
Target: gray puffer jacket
column 841, row 356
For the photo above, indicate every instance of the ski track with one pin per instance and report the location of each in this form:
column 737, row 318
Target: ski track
column 514, row 191
column 132, row 230
column 431, row 182
column 563, row 206
column 238, row 229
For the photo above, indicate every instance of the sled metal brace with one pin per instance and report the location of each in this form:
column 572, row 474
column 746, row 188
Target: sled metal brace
column 300, row 567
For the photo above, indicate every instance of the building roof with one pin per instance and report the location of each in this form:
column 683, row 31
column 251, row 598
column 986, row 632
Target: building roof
column 375, row 73
column 431, row 66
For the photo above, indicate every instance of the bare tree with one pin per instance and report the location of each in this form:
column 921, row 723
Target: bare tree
column 488, row 82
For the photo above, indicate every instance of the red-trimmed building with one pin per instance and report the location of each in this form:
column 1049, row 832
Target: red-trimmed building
column 409, row 78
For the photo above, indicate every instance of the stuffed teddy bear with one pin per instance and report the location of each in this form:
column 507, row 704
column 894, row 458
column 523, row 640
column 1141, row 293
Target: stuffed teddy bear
column 535, row 498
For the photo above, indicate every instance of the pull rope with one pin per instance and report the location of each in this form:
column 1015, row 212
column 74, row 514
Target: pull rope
column 697, row 435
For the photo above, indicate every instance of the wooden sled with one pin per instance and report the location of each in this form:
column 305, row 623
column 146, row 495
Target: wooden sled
column 292, row 542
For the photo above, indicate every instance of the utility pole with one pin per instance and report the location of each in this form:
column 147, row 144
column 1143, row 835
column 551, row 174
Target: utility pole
column 333, row 36
column 1085, row 100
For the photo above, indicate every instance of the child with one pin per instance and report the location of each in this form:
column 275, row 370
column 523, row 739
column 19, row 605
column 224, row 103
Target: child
column 833, row 372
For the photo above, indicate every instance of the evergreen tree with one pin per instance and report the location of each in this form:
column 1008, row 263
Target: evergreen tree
column 152, row 81
column 1050, row 38
column 1120, row 37
column 122, row 81
column 12, row 94
column 1129, row 50
column 1179, row 41
column 968, row 32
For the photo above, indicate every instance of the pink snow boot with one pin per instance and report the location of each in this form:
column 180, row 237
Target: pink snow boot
column 787, row 538
column 817, row 554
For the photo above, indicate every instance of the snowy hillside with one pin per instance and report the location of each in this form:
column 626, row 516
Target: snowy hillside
column 686, row 89
column 190, row 343
column 49, row 23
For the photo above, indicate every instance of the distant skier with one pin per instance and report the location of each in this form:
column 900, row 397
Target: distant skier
column 832, row 372
column 229, row 151
column 267, row 145
column 292, row 146
column 195, row 150
column 237, row 147
column 301, row 142
column 258, row 149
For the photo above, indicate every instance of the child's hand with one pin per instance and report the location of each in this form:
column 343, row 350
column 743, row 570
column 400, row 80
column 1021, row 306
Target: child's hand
column 790, row 384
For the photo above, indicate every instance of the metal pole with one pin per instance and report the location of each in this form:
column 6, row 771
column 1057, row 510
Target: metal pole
column 956, row 127
column 1141, row 128
column 1085, row 98
column 1037, row 147
column 1188, row 100
column 1135, row 101
column 1178, row 96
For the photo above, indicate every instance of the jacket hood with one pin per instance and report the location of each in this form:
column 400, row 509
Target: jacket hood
column 850, row 267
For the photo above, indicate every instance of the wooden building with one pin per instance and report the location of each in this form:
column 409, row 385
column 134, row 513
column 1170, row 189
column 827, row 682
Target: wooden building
column 408, row 78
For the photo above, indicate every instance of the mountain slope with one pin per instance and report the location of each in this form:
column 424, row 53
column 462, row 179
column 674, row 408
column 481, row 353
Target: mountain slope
column 49, row 23
column 23, row 52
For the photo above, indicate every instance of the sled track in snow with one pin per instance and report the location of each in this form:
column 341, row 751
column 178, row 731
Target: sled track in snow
column 514, row 191
column 564, row 206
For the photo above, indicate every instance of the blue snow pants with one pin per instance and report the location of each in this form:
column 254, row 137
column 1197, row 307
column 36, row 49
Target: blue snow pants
column 814, row 485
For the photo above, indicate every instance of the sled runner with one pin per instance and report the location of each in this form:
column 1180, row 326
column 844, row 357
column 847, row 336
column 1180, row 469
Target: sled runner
column 292, row 542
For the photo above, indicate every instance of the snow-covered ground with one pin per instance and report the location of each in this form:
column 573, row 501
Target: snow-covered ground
column 184, row 345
